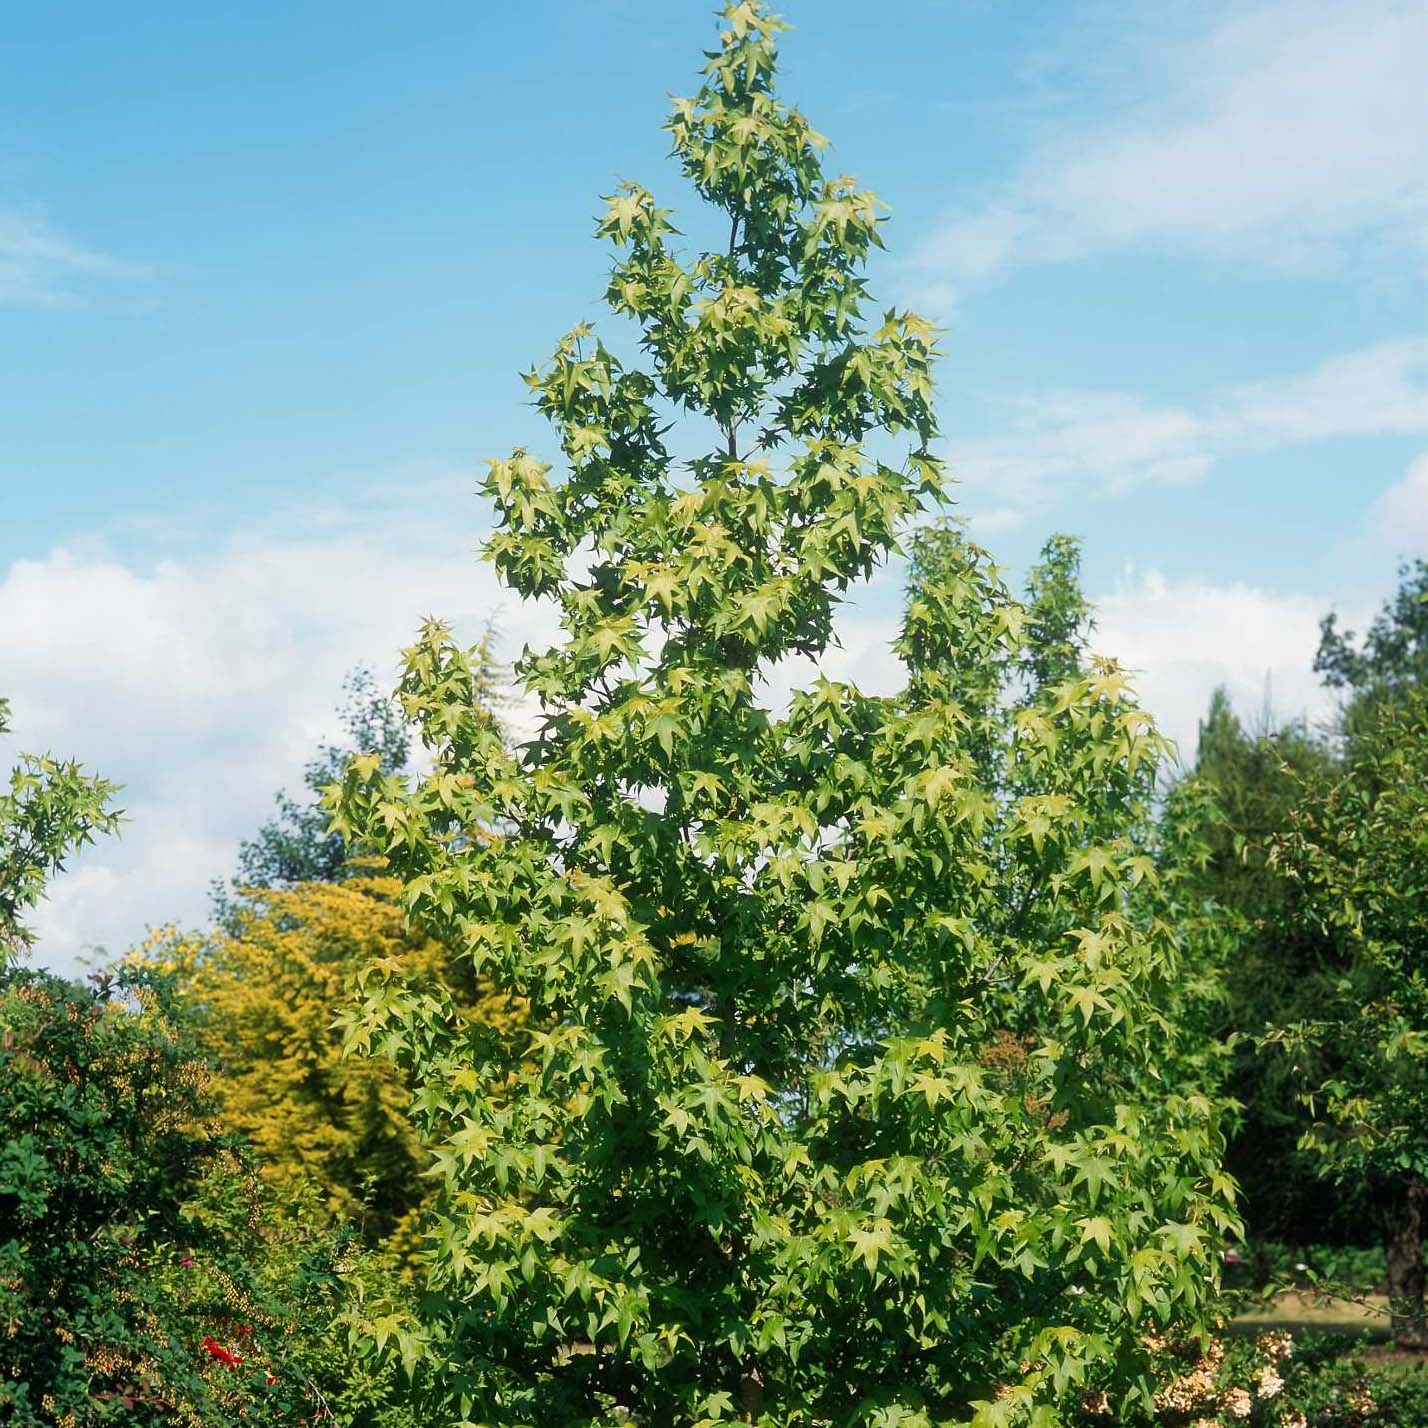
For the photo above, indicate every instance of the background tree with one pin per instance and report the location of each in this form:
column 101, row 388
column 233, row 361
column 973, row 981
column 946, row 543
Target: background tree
column 297, row 845
column 1355, row 853
column 1357, row 847
column 1393, row 655
column 847, row 1094
column 266, row 987
column 1312, row 849
column 47, row 811
column 263, row 993
column 1241, row 796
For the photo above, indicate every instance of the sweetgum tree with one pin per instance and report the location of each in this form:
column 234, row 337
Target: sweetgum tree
column 847, row 1095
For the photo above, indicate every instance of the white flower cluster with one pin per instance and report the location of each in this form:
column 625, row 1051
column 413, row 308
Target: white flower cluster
column 1201, row 1392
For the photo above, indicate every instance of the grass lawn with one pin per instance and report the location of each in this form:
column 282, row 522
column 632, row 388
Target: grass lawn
column 1311, row 1314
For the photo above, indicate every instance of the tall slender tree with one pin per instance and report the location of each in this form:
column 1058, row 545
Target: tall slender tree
column 1244, row 788
column 847, row 1096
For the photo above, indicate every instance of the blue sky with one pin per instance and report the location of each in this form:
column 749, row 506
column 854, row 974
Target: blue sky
column 268, row 275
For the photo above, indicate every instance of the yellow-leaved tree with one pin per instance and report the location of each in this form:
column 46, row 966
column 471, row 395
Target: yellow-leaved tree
column 266, row 991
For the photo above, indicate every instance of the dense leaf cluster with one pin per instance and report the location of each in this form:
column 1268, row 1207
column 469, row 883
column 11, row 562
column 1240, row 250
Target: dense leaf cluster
column 104, row 1139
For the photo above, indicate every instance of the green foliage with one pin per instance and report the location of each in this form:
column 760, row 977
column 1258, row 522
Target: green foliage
column 145, row 1276
column 1058, row 616
column 1358, row 848
column 1254, row 775
column 1245, row 787
column 301, row 1284
column 102, row 1141
column 1393, row 654
column 1316, row 850
column 48, row 810
column 848, row 1093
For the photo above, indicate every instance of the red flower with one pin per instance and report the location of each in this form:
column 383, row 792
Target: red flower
column 215, row 1350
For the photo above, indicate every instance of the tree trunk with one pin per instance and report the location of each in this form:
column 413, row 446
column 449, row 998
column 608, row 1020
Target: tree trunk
column 1403, row 1240
column 751, row 1393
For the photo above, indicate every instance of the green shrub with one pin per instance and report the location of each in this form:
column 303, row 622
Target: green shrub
column 1335, row 1385
column 103, row 1138
column 146, row 1275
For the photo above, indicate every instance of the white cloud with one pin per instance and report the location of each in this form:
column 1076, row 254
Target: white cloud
column 40, row 267
column 1399, row 519
column 1059, row 444
column 1185, row 638
column 1377, row 391
column 204, row 684
column 1061, row 441
column 1288, row 131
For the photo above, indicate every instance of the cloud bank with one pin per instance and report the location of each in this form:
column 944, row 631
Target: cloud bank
column 1292, row 133
column 1056, row 445
column 203, row 685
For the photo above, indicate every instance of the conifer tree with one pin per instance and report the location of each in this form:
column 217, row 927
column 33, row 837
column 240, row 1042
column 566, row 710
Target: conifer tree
column 296, row 845
column 846, row 1096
